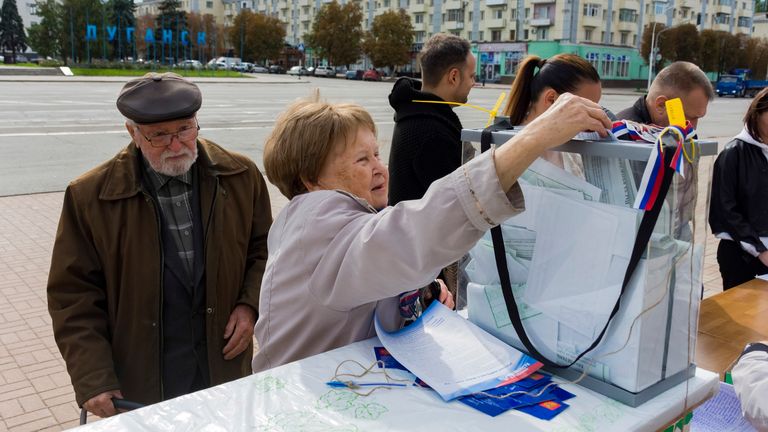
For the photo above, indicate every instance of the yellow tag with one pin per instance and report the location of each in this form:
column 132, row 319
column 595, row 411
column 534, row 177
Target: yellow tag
column 675, row 112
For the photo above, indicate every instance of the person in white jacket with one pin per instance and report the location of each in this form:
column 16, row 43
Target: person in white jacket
column 334, row 258
column 750, row 381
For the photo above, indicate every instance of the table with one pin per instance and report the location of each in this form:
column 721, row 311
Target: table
column 294, row 397
column 730, row 320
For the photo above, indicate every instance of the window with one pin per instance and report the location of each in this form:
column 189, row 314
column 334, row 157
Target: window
column 456, row 32
column 470, row 16
column 724, row 2
column 419, row 2
column 634, row 40
column 602, row 37
column 684, row 13
column 593, row 59
column 541, row 12
column 386, row 3
column 604, row 12
column 527, row 12
column 430, row 18
column 304, row 10
column 512, row 35
column 513, row 14
column 610, row 38
column 495, row 35
column 542, row 33
column 624, row 37
column 744, row 22
column 498, row 14
column 209, row 5
column 622, row 66
column 627, row 15
column 418, row 18
column 591, row 9
column 456, row 15
column 588, row 35
column 722, row 18
column 608, row 65
column 525, row 34
column 482, row 15
column 481, row 37
column 418, row 36
column 305, row 26
column 659, row 8
column 646, row 9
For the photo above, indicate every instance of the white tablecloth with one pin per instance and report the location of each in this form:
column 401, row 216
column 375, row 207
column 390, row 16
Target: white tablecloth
column 294, row 397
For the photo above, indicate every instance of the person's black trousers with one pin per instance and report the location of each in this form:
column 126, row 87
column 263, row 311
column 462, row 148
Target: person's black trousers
column 737, row 265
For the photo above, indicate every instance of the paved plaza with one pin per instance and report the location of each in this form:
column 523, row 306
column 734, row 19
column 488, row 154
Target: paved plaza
column 51, row 131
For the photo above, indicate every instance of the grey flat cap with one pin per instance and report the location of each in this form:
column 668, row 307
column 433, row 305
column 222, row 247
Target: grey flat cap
column 156, row 98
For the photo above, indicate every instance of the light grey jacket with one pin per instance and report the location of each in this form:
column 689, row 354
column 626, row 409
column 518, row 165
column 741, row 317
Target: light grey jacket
column 333, row 259
column 750, row 381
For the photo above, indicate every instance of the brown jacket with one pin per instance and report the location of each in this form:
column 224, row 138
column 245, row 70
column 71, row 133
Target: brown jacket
column 105, row 283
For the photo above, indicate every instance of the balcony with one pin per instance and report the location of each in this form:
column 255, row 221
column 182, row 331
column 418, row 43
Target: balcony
column 626, row 26
column 495, row 2
column 419, row 27
column 496, row 23
column 542, row 1
column 592, row 21
column 540, row 22
column 454, row 25
column 452, row 4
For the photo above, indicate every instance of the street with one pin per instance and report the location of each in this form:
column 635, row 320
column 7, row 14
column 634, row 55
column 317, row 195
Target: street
column 50, row 132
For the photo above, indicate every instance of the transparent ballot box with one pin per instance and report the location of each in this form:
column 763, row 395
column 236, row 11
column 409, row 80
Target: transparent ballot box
column 567, row 257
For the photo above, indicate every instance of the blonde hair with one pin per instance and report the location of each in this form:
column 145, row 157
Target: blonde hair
column 305, row 135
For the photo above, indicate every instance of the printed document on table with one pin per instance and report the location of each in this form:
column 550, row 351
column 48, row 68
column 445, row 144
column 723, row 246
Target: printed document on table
column 454, row 356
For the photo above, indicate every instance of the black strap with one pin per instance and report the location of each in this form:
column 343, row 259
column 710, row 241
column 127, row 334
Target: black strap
column 641, row 242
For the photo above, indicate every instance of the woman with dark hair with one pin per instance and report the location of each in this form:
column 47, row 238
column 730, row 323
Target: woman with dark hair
column 738, row 214
column 538, row 84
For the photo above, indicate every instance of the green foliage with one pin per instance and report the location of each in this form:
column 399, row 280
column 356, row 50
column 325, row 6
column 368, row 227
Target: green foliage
column 46, row 37
column 336, row 33
column 390, row 40
column 257, row 36
column 172, row 18
column 121, row 14
column 12, row 36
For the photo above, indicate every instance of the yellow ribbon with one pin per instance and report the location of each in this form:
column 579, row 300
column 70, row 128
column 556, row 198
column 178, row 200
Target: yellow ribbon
column 491, row 112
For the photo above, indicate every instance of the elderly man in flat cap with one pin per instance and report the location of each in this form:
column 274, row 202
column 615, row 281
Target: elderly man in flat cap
column 159, row 255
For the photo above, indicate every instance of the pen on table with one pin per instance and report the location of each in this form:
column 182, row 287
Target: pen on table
column 352, row 384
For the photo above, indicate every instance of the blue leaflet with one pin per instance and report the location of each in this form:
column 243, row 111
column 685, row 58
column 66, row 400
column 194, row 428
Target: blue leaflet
column 545, row 410
column 495, row 406
column 386, row 358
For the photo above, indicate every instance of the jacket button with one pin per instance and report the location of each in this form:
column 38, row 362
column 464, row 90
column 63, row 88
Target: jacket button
column 154, row 324
column 209, row 310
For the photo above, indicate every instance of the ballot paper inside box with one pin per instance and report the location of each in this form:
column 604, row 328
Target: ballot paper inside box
column 567, row 256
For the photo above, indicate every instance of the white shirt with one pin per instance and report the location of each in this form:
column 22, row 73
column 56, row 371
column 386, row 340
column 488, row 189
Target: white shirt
column 750, row 380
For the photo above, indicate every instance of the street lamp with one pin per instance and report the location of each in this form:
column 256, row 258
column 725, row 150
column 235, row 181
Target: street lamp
column 652, row 53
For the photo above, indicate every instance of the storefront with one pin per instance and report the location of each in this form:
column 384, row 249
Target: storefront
column 611, row 62
column 497, row 59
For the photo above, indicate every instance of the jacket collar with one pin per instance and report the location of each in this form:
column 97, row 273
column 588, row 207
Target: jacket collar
column 124, row 176
column 642, row 109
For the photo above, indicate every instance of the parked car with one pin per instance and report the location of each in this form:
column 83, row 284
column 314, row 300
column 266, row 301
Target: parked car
column 371, row 75
column 297, row 70
column 190, row 64
column 311, row 70
column 259, row 69
column 354, row 74
column 243, row 67
column 325, row 71
column 276, row 69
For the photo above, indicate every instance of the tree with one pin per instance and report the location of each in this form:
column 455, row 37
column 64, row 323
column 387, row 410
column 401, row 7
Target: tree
column 257, row 36
column 663, row 42
column 336, row 33
column 684, row 42
column 121, row 14
column 47, row 38
column 756, row 53
column 12, row 36
column 390, row 39
column 172, row 18
column 76, row 16
column 710, row 51
column 214, row 36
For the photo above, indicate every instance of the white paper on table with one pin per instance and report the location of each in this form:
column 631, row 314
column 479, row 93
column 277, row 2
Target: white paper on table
column 454, row 356
column 582, row 252
column 548, row 175
column 763, row 277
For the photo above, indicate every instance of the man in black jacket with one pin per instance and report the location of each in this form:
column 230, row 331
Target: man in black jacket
column 426, row 142
column 680, row 79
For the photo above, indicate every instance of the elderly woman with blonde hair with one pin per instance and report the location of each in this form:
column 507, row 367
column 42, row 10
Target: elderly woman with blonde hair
column 337, row 254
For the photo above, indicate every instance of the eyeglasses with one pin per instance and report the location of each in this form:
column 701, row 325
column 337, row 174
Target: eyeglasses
column 164, row 140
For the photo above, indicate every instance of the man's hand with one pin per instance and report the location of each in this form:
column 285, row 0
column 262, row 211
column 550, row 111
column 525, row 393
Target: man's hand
column 763, row 257
column 239, row 330
column 101, row 405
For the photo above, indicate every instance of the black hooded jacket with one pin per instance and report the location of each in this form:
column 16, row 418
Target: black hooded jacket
column 426, row 142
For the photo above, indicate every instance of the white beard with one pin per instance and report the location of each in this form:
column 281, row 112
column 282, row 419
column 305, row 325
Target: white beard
column 176, row 167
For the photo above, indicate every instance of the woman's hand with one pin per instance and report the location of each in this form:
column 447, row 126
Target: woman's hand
column 763, row 257
column 446, row 297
